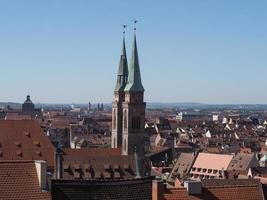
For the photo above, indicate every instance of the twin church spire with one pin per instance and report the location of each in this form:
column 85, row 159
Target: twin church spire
column 129, row 79
column 128, row 107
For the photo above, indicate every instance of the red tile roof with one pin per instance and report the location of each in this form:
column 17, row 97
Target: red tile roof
column 16, row 116
column 226, row 190
column 98, row 163
column 24, row 140
column 93, row 152
column 19, row 180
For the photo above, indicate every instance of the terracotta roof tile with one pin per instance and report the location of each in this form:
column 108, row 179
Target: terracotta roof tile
column 222, row 190
column 19, row 181
column 93, row 152
column 16, row 145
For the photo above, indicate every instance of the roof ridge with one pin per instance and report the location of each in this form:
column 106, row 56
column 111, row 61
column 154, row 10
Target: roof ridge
column 17, row 161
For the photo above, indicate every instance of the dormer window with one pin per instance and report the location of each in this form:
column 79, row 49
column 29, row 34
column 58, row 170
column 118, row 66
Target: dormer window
column 39, row 153
column 19, row 153
column 37, row 143
column 27, row 134
column 18, row 144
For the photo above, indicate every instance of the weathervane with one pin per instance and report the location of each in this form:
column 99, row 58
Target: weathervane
column 135, row 21
column 124, row 28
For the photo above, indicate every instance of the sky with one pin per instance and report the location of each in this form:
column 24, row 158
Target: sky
column 67, row 51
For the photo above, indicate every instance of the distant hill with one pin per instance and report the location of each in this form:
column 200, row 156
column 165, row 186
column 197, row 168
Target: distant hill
column 11, row 104
column 154, row 105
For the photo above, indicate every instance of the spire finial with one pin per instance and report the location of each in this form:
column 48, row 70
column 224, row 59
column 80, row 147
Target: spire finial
column 124, row 29
column 123, row 41
column 135, row 21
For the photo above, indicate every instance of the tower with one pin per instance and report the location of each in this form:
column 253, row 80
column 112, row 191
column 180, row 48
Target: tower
column 116, row 137
column 28, row 106
column 133, row 109
column 89, row 106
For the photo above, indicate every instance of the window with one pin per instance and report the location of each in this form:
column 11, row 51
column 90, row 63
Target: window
column 114, row 118
column 136, row 124
column 114, row 142
column 125, row 119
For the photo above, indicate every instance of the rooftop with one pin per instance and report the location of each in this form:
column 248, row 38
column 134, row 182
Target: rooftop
column 19, row 180
column 24, row 140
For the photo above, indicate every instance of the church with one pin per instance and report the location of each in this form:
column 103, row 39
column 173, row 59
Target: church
column 128, row 108
column 125, row 159
column 122, row 165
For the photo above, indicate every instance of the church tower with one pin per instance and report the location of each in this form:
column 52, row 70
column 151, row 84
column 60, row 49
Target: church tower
column 133, row 109
column 119, row 94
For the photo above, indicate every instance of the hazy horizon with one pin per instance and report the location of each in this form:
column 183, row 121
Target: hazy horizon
column 211, row 52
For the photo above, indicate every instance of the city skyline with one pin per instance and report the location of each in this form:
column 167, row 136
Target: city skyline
column 69, row 53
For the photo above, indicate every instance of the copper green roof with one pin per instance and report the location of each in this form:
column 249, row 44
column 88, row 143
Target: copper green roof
column 134, row 77
column 123, row 70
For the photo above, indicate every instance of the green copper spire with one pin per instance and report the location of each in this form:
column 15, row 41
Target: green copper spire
column 123, row 70
column 134, row 78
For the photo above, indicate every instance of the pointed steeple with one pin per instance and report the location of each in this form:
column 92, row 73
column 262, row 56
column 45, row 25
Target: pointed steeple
column 123, row 69
column 134, row 78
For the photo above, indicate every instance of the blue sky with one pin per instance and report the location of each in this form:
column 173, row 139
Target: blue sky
column 65, row 51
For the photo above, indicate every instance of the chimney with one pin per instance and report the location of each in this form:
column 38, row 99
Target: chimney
column 40, row 166
column 58, row 164
column 193, row 187
column 157, row 190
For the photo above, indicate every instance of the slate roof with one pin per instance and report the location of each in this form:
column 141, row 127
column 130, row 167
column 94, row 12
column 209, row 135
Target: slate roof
column 19, row 180
column 24, row 140
column 137, row 189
